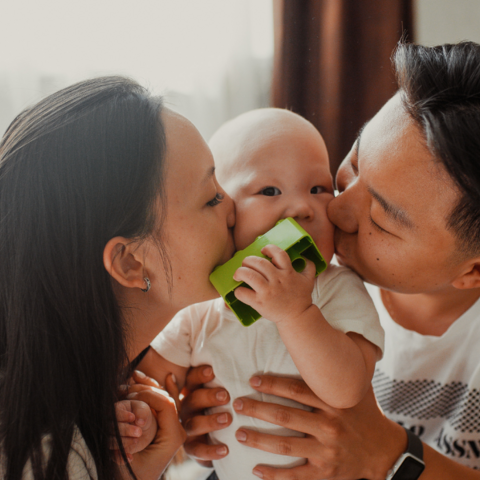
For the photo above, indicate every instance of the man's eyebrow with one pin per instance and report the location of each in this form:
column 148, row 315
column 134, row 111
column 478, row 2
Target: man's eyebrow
column 209, row 174
column 359, row 136
column 397, row 215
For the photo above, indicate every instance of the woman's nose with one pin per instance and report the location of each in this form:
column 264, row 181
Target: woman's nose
column 342, row 212
column 230, row 208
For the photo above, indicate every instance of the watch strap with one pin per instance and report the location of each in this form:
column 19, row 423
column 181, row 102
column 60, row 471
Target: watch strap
column 404, row 469
column 414, row 445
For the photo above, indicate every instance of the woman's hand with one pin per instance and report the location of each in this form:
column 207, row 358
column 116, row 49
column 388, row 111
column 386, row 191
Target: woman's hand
column 358, row 442
column 152, row 461
column 196, row 423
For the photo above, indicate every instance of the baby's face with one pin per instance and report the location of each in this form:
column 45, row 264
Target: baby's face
column 284, row 175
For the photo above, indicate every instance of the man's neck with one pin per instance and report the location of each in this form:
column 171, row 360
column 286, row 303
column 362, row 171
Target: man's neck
column 429, row 313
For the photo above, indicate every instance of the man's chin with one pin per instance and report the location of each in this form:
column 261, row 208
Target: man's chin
column 344, row 263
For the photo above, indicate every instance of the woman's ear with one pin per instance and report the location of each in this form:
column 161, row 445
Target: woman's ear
column 124, row 261
column 470, row 278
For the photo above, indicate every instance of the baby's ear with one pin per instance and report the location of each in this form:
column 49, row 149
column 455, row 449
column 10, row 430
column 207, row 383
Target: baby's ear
column 123, row 260
column 470, row 277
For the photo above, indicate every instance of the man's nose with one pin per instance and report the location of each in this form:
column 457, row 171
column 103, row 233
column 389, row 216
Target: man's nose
column 342, row 212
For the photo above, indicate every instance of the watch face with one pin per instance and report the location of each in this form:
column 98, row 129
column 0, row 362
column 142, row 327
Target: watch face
column 410, row 469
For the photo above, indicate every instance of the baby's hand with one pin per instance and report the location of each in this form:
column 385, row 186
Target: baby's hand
column 137, row 425
column 278, row 292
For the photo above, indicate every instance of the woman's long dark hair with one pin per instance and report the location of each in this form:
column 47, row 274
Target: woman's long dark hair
column 80, row 167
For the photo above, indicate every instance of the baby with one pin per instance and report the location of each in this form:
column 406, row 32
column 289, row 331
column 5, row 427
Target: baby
column 274, row 164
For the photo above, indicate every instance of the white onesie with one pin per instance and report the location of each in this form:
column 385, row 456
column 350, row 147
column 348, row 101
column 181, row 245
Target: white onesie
column 209, row 334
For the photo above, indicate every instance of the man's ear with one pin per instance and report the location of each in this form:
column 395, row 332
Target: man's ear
column 123, row 260
column 470, row 278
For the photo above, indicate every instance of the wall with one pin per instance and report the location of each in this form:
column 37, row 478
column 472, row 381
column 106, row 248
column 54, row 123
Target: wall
column 446, row 21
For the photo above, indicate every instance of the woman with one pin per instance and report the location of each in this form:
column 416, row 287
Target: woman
column 108, row 204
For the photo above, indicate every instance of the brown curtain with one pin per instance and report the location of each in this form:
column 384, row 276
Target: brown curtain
column 332, row 62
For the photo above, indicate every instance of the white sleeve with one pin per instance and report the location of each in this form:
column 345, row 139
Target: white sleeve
column 347, row 306
column 174, row 342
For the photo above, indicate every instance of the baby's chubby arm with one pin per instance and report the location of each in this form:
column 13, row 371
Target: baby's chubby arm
column 338, row 367
column 155, row 366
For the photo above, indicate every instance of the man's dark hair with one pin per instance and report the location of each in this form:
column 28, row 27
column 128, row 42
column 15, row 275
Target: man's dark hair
column 440, row 88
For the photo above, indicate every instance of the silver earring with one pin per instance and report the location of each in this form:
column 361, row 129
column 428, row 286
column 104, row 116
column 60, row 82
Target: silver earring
column 147, row 283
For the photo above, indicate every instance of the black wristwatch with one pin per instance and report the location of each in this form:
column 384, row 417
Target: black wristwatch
column 410, row 464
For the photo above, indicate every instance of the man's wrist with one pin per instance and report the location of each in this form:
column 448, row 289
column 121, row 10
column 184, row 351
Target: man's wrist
column 410, row 464
column 392, row 443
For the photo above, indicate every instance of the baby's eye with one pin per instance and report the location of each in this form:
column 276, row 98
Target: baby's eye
column 216, row 200
column 317, row 190
column 270, row 191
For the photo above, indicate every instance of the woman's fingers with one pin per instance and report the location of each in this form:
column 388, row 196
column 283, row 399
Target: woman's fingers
column 172, row 388
column 198, row 400
column 290, row 388
column 202, row 424
column 118, row 459
column 198, row 449
column 197, row 376
column 289, row 446
column 140, row 377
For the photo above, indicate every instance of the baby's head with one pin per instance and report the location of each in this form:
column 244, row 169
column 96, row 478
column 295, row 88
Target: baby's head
column 274, row 164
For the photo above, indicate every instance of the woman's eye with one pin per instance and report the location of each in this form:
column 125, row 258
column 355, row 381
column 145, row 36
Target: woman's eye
column 270, row 191
column 354, row 167
column 317, row 190
column 216, row 200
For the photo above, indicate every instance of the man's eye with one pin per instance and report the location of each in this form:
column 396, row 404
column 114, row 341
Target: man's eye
column 216, row 200
column 377, row 226
column 317, row 190
column 270, row 191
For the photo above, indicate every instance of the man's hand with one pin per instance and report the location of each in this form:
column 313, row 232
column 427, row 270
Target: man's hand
column 340, row 444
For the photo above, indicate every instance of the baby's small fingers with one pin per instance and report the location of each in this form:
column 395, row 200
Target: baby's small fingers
column 142, row 412
column 123, row 412
column 129, row 430
column 245, row 295
column 129, row 443
column 251, row 277
column 310, row 269
column 279, row 257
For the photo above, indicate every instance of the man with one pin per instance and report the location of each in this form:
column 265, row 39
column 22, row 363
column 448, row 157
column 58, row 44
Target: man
column 408, row 221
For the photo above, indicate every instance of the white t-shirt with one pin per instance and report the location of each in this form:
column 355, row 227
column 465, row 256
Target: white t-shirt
column 209, row 333
column 431, row 384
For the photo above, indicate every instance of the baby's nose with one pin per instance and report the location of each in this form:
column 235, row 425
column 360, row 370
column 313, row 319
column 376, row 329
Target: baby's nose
column 301, row 210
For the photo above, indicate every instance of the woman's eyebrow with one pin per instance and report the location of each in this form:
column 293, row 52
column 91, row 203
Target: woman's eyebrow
column 209, row 174
column 397, row 215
